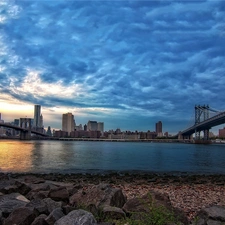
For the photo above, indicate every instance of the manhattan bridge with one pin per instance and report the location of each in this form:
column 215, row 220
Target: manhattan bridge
column 205, row 119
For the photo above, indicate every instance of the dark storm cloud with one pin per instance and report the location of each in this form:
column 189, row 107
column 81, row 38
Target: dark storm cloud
column 152, row 58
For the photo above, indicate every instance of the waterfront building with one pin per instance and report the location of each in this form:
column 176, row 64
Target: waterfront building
column 68, row 123
column 101, row 127
column 92, row 125
column 158, row 128
column 222, row 133
column 60, row 133
column 80, row 127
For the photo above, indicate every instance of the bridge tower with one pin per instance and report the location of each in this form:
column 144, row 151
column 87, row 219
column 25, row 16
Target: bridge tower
column 201, row 114
column 26, row 124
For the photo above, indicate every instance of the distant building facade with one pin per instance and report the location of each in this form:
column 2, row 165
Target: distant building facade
column 101, row 127
column 222, row 133
column 92, row 125
column 158, row 128
column 49, row 132
column 38, row 119
column 68, row 123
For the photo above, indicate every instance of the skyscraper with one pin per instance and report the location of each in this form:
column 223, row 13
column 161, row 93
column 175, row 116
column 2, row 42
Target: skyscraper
column 158, row 127
column 38, row 118
column 68, row 122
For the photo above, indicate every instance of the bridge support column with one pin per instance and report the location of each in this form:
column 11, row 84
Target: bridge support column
column 25, row 123
column 25, row 135
column 197, row 135
column 206, row 134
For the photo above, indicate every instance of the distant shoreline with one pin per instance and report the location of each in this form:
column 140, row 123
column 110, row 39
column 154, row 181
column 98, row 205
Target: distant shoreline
column 121, row 140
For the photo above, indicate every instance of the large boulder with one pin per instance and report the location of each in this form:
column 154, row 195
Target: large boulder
column 144, row 203
column 21, row 215
column 40, row 220
column 55, row 215
column 213, row 215
column 77, row 217
column 12, row 201
column 113, row 213
column 59, row 194
column 39, row 205
column 150, row 202
column 99, row 195
column 23, row 188
column 51, row 204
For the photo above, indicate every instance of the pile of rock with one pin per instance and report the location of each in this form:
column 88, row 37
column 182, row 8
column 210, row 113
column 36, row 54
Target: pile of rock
column 30, row 200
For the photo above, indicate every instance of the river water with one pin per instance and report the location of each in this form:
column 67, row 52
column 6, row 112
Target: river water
column 99, row 157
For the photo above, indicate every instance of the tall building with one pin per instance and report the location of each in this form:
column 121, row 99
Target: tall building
column 38, row 118
column 92, row 125
column 158, row 128
column 1, row 121
column 101, row 127
column 68, row 122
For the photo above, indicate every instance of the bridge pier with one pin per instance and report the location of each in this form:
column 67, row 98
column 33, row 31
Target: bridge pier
column 197, row 135
column 206, row 134
column 25, row 123
column 25, row 135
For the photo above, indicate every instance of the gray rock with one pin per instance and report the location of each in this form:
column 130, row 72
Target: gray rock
column 214, row 222
column 10, row 189
column 21, row 215
column 215, row 212
column 12, row 201
column 213, row 215
column 39, row 206
column 23, row 187
column 40, row 220
column 51, row 204
column 113, row 212
column 59, row 194
column 142, row 204
column 55, row 215
column 99, row 195
column 5, row 184
column 77, row 217
column 37, row 194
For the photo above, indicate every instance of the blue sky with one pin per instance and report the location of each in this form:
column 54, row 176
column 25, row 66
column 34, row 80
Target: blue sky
column 126, row 63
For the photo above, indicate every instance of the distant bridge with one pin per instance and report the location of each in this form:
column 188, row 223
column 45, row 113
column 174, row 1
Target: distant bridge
column 25, row 129
column 203, row 122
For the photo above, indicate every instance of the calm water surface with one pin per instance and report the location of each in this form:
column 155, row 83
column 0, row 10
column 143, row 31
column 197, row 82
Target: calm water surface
column 100, row 157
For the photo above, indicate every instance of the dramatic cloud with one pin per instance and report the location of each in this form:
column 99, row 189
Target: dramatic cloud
column 127, row 63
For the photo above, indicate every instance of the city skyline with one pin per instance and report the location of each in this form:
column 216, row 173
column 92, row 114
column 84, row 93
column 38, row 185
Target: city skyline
column 139, row 63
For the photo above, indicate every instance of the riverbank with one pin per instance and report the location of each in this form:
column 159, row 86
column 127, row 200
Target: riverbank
column 188, row 193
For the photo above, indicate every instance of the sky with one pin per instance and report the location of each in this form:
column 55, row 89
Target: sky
column 128, row 64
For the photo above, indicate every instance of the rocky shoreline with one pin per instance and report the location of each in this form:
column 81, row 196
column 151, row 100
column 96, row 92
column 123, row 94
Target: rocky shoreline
column 46, row 199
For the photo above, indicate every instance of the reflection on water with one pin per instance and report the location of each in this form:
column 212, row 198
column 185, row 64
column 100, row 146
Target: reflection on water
column 15, row 156
column 75, row 157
